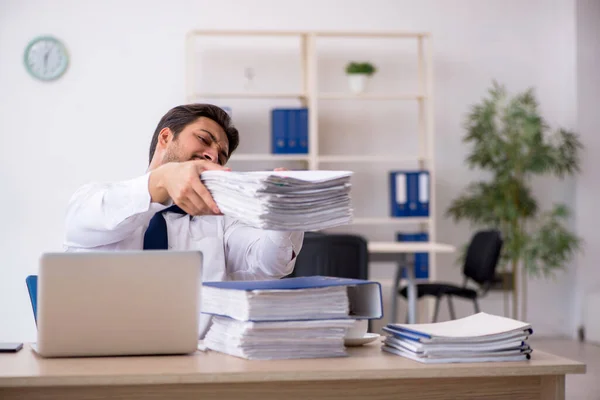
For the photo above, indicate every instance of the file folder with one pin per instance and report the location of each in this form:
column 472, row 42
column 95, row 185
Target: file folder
column 421, row 260
column 289, row 130
column 423, row 188
column 302, row 121
column 398, row 194
column 409, row 192
column 278, row 131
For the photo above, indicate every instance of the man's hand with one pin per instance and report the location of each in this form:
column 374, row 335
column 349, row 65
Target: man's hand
column 181, row 183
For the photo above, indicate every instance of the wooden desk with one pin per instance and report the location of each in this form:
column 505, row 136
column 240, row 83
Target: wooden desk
column 398, row 252
column 368, row 373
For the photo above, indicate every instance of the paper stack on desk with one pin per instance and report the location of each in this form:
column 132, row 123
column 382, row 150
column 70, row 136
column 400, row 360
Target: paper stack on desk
column 304, row 317
column 278, row 339
column 478, row 338
column 283, row 200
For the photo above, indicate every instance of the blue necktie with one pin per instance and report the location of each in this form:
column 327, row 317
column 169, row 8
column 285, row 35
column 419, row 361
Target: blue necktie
column 156, row 237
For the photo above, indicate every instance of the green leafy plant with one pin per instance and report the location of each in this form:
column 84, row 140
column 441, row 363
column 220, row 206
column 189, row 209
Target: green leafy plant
column 513, row 143
column 365, row 68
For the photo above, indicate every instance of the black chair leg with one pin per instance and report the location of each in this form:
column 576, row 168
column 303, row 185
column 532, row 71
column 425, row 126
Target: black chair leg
column 437, row 308
column 451, row 307
column 476, row 305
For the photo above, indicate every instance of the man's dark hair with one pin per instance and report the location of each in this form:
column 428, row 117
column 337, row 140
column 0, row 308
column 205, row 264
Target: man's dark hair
column 181, row 116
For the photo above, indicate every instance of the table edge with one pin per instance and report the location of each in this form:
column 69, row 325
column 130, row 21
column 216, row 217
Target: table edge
column 288, row 376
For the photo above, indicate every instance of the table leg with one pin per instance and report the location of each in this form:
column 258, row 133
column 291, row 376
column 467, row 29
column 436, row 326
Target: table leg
column 395, row 287
column 412, row 292
column 553, row 387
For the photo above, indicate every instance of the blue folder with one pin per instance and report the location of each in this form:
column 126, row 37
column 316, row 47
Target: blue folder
column 31, row 282
column 279, row 118
column 421, row 260
column 409, row 193
column 422, row 194
column 289, row 130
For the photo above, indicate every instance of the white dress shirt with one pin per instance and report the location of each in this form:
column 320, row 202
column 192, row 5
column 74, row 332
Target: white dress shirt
column 114, row 216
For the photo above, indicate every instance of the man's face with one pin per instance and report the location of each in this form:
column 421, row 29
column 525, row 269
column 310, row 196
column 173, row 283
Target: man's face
column 203, row 139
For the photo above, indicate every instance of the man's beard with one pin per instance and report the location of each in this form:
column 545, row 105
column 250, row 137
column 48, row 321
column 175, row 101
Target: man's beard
column 171, row 156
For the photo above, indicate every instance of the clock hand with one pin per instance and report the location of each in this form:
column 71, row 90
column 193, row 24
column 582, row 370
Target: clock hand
column 46, row 59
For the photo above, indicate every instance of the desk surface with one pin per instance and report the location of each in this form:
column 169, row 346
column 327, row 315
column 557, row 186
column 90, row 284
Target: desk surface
column 26, row 369
column 409, row 247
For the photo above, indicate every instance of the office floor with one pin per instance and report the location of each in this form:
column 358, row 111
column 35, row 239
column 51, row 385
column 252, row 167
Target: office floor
column 578, row 387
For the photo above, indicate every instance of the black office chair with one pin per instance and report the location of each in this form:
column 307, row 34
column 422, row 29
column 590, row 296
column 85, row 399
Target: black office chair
column 480, row 264
column 338, row 255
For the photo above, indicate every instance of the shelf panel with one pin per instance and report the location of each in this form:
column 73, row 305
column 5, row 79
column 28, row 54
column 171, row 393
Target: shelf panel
column 259, row 95
column 369, row 159
column 370, row 96
column 217, row 32
column 269, row 157
column 322, row 159
column 391, row 221
column 383, row 34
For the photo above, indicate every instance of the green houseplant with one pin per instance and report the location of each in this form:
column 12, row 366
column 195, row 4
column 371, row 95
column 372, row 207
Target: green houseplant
column 513, row 143
column 358, row 74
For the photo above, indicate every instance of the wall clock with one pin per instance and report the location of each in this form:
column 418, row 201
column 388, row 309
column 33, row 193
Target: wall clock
column 46, row 58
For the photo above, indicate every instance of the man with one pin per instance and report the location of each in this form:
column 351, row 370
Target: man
column 169, row 207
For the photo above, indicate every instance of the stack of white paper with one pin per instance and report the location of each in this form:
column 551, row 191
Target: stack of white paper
column 276, row 305
column 283, row 200
column 302, row 317
column 278, row 339
column 478, row 338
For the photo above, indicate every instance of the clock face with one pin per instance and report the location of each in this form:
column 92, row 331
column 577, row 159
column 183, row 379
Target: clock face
column 46, row 58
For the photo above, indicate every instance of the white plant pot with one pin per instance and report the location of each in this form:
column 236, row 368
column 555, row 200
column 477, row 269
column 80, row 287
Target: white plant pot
column 357, row 82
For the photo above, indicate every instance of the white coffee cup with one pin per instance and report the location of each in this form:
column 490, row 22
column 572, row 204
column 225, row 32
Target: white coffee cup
column 358, row 329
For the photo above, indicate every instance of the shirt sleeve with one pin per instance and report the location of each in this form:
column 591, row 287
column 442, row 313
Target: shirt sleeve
column 105, row 213
column 253, row 254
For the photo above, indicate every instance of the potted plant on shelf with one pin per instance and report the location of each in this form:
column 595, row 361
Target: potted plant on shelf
column 513, row 143
column 358, row 74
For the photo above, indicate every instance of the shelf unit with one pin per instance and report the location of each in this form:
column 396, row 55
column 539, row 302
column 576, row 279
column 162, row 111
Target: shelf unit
column 311, row 96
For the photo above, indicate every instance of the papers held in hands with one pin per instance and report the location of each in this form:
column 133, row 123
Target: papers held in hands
column 283, row 200
column 477, row 338
column 305, row 317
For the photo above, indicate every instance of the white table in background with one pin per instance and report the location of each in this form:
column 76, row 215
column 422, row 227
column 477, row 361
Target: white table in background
column 399, row 252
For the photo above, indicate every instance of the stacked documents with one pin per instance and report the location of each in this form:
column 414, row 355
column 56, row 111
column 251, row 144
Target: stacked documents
column 304, row 317
column 278, row 339
column 283, row 200
column 478, row 338
column 276, row 305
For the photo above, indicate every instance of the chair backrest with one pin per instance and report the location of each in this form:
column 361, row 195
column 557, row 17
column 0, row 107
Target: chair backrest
column 482, row 256
column 338, row 255
column 31, row 282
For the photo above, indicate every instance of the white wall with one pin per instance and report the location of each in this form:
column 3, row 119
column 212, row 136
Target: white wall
column 128, row 69
column 588, row 190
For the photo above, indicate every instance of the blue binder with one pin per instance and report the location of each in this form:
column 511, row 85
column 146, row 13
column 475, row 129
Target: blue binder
column 292, row 133
column 302, row 131
column 398, row 194
column 289, row 130
column 278, row 131
column 423, row 188
column 409, row 193
column 421, row 259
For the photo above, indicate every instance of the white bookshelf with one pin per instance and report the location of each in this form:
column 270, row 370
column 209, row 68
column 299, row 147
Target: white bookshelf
column 310, row 95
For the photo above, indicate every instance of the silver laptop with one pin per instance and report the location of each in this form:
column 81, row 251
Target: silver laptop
column 118, row 303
